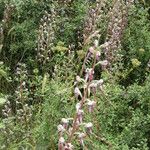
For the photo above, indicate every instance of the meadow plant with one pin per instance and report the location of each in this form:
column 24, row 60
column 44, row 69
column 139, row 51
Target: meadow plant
column 77, row 127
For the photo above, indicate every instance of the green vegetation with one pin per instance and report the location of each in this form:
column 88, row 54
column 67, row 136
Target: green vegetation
column 62, row 57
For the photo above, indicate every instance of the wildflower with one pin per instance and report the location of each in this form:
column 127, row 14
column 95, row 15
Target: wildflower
column 81, row 137
column 78, row 106
column 91, row 50
column 68, row 146
column 80, row 115
column 60, row 128
column 104, row 63
column 93, row 87
column 89, row 74
column 78, row 79
column 100, row 82
column 77, row 92
column 61, row 143
column 98, row 54
column 96, row 43
column 135, row 62
column 88, row 127
column 91, row 105
column 65, row 122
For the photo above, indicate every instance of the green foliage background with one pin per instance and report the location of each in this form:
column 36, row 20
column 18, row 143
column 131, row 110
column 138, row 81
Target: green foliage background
column 125, row 122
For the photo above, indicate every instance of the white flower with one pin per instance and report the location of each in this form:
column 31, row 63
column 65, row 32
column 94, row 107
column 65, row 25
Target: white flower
column 61, row 140
column 78, row 106
column 69, row 146
column 91, row 50
column 77, row 92
column 104, row 63
column 61, row 143
column 81, row 136
column 88, row 127
column 80, row 115
column 100, row 82
column 89, row 74
column 91, row 105
column 65, row 122
column 96, row 43
column 60, row 128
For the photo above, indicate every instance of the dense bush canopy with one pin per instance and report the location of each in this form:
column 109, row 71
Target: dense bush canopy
column 62, row 57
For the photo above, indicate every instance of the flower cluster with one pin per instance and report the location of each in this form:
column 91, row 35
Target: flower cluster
column 46, row 37
column 77, row 127
column 94, row 16
column 23, row 110
column 116, row 26
column 5, row 22
column 17, row 109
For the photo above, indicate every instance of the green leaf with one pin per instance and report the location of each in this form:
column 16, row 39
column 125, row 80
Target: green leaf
column 2, row 101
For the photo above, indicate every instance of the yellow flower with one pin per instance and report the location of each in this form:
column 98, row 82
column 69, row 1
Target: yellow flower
column 141, row 50
column 135, row 62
